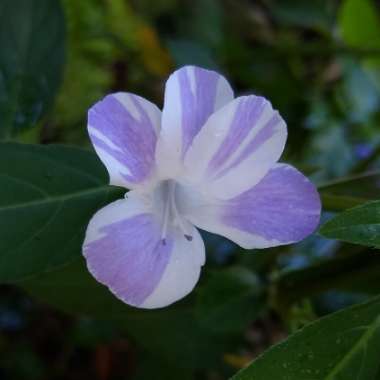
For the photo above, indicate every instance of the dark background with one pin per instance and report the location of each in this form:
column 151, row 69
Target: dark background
column 319, row 64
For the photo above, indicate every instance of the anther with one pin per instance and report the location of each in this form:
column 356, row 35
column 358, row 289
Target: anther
column 188, row 237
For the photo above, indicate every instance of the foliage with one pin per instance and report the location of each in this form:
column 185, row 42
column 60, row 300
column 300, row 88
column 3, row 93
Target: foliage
column 359, row 225
column 46, row 188
column 343, row 345
column 319, row 64
column 31, row 61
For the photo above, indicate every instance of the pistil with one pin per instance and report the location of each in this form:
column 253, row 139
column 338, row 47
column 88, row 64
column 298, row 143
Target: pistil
column 170, row 212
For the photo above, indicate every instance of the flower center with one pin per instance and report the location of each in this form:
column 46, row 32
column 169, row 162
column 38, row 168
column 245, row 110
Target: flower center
column 171, row 216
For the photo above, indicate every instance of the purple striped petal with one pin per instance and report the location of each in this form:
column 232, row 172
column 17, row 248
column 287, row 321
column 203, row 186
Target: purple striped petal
column 124, row 251
column 123, row 129
column 247, row 114
column 283, row 208
column 236, row 147
column 192, row 94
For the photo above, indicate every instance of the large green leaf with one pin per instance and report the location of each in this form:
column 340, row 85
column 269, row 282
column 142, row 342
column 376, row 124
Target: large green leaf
column 359, row 23
column 31, row 60
column 342, row 346
column 359, row 225
column 47, row 196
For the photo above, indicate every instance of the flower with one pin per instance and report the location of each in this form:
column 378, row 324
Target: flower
column 208, row 161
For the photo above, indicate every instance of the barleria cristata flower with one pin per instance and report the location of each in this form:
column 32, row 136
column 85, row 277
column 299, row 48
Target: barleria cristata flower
column 207, row 161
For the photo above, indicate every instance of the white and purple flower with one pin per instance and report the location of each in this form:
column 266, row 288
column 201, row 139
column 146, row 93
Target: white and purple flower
column 208, row 160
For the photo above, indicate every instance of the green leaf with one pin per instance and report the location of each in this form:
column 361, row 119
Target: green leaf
column 343, row 345
column 229, row 300
column 359, row 225
column 359, row 23
column 47, row 196
column 31, row 60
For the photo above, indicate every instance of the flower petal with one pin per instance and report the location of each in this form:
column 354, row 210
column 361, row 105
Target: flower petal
column 283, row 208
column 123, row 129
column 192, row 94
column 236, row 147
column 182, row 272
column 124, row 251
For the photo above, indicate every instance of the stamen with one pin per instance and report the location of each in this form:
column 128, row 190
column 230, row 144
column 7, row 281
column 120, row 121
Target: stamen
column 179, row 219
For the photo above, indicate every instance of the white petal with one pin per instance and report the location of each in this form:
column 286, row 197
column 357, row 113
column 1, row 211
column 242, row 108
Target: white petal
column 236, row 147
column 283, row 208
column 123, row 129
column 192, row 94
column 182, row 272
column 124, row 250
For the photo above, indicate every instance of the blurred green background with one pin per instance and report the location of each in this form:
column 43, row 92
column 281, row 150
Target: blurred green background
column 319, row 64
